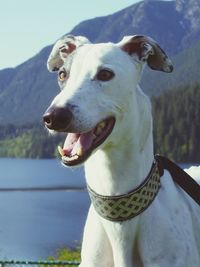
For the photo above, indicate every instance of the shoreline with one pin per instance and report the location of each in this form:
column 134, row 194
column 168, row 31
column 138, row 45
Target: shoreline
column 50, row 189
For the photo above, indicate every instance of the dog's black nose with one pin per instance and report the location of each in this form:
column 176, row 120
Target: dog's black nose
column 57, row 119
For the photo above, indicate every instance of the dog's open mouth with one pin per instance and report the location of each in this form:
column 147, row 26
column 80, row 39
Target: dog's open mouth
column 78, row 147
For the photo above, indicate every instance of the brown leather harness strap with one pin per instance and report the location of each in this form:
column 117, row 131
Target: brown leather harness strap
column 184, row 180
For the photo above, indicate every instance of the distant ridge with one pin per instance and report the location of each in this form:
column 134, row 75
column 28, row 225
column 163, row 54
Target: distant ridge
column 26, row 91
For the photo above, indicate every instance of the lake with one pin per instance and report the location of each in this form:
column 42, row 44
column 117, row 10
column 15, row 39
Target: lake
column 43, row 207
column 35, row 218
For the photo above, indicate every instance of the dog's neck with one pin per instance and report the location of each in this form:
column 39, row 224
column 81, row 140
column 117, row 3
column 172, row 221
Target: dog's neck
column 117, row 169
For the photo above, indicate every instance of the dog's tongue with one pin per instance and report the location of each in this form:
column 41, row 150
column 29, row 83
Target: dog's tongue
column 78, row 143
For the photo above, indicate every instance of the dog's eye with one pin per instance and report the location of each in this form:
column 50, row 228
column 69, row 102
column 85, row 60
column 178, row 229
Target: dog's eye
column 105, row 75
column 62, row 75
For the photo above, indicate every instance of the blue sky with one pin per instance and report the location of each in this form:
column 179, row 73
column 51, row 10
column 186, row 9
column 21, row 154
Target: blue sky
column 29, row 25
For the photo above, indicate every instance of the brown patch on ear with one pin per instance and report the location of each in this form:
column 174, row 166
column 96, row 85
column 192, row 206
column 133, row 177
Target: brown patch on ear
column 148, row 51
column 131, row 48
column 159, row 60
column 62, row 48
column 134, row 46
column 68, row 48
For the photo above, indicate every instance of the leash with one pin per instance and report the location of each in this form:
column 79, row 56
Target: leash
column 184, row 180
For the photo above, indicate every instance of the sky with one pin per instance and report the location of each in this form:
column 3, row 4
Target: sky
column 26, row 26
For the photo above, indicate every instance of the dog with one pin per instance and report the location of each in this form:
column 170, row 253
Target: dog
column 108, row 122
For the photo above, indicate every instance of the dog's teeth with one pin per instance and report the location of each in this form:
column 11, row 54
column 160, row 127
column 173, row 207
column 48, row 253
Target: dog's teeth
column 72, row 158
column 79, row 152
column 98, row 130
column 102, row 124
column 61, row 151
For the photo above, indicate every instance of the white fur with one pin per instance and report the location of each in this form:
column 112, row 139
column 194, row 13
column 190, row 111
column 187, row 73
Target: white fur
column 194, row 171
column 167, row 234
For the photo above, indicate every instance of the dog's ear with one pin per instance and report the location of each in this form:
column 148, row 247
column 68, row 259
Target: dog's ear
column 147, row 50
column 62, row 48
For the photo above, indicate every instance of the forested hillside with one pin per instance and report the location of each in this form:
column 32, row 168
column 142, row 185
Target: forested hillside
column 30, row 141
column 176, row 130
column 177, row 124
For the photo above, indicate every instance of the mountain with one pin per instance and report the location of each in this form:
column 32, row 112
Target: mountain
column 26, row 91
column 186, row 72
column 168, row 22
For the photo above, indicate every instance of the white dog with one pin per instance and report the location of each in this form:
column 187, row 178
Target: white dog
column 109, row 124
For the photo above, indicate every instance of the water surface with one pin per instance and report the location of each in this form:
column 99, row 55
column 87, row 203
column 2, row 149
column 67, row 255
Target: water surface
column 34, row 224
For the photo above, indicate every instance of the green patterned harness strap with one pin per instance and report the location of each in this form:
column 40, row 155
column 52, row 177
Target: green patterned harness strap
column 128, row 206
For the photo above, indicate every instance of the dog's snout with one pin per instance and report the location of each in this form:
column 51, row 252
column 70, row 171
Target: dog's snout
column 57, row 119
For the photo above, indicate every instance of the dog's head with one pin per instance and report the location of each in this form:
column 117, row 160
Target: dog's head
column 97, row 82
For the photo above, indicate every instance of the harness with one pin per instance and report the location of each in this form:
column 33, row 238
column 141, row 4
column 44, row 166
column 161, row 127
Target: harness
column 127, row 206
